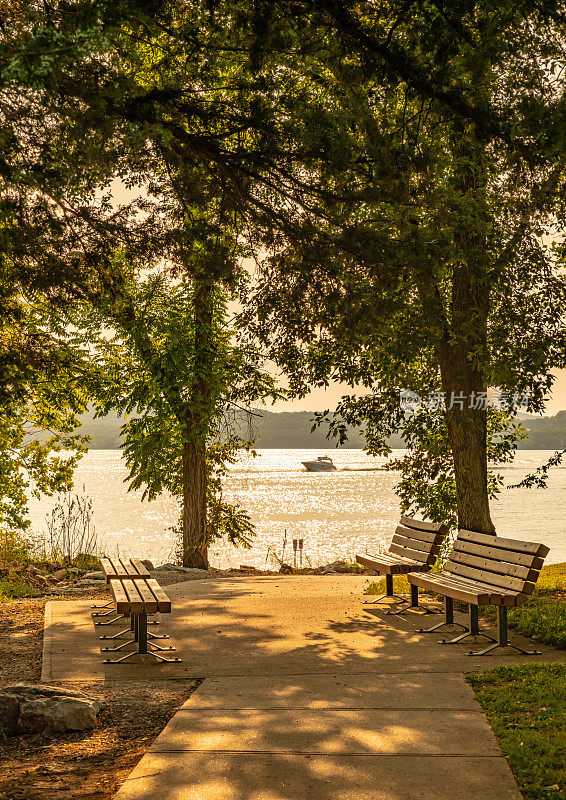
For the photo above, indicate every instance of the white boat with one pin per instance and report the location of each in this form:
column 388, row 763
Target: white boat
column 322, row 464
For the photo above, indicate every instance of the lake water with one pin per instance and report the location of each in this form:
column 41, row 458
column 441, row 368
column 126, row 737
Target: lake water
column 337, row 514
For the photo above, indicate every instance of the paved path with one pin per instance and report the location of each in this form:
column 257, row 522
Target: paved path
column 308, row 695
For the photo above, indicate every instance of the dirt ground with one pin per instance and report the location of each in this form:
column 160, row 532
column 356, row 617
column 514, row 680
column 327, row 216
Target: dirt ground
column 88, row 765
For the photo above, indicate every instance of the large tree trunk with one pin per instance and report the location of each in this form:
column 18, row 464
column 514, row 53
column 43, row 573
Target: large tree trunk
column 195, row 473
column 195, row 538
column 465, row 352
column 467, row 432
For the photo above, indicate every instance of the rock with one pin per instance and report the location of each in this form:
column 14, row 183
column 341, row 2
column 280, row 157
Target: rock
column 95, row 576
column 66, row 590
column 168, row 568
column 87, row 582
column 9, row 712
column 61, row 574
column 26, row 708
column 147, row 564
column 194, row 571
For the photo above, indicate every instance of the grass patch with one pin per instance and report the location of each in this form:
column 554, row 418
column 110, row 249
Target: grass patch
column 526, row 706
column 13, row 586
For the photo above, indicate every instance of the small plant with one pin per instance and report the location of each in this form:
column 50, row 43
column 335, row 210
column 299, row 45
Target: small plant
column 16, row 549
column 71, row 536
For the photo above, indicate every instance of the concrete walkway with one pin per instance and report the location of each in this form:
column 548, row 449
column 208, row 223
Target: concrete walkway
column 308, row 695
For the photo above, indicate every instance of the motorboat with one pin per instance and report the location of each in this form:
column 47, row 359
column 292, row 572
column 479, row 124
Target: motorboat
column 322, row 464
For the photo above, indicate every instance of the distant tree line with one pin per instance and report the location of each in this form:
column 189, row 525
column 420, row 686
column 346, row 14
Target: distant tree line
column 293, row 430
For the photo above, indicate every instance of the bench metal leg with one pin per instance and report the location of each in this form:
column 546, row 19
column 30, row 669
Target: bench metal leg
column 102, row 614
column 503, row 637
column 448, row 618
column 139, row 627
column 117, row 635
column 388, row 592
column 131, row 630
column 473, row 630
column 109, row 604
column 117, row 618
column 414, row 603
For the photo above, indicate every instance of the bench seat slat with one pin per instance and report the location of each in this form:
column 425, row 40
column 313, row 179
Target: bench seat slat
column 458, row 591
column 533, row 548
column 137, row 605
column 388, row 558
column 120, row 597
column 391, row 567
column 149, row 601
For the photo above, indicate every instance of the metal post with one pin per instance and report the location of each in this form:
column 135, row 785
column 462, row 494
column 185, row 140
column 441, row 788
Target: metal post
column 389, row 585
column 141, row 626
column 414, row 596
column 502, row 625
column 449, row 606
column 474, row 620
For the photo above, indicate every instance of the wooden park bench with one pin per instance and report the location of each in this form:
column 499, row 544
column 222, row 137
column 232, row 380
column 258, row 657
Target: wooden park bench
column 117, row 568
column 414, row 548
column 485, row 570
column 135, row 595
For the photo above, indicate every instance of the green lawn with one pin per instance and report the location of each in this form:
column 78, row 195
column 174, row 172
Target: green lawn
column 526, row 707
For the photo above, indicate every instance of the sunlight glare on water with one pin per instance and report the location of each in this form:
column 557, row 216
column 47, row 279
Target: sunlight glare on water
column 338, row 514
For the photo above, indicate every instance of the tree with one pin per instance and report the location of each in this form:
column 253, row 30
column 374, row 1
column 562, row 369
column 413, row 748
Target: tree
column 47, row 397
column 146, row 93
column 176, row 438
column 439, row 167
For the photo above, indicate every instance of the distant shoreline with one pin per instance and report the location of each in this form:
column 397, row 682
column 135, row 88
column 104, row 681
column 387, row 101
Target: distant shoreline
column 292, row 430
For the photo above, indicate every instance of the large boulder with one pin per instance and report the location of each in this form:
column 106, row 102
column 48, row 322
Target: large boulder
column 27, row 708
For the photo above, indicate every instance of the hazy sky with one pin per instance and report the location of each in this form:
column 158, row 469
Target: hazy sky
column 320, row 399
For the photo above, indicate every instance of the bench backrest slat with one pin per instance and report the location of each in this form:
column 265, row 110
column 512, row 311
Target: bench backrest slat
column 421, row 536
column 508, row 564
column 149, row 601
column 515, row 545
column 422, row 525
column 123, row 568
column 163, row 602
column 416, row 544
column 140, row 568
column 134, row 597
column 489, row 551
column 418, row 540
column 500, row 567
